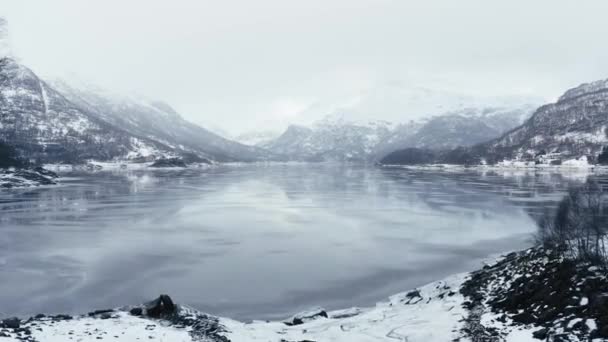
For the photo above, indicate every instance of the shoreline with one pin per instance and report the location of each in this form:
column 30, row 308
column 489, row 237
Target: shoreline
column 486, row 303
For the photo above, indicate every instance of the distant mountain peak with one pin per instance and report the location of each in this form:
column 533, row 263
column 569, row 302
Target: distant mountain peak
column 334, row 138
column 585, row 88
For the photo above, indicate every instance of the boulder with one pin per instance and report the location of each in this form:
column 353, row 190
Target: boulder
column 307, row 316
column 162, row 306
column 540, row 334
column 11, row 323
column 136, row 311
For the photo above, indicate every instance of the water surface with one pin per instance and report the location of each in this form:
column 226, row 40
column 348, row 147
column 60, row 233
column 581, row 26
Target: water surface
column 257, row 241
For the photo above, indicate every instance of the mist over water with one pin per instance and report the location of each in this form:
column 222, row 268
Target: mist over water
column 257, row 242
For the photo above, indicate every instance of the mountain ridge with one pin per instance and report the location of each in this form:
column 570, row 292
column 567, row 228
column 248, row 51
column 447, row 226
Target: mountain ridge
column 51, row 122
column 337, row 139
column 575, row 127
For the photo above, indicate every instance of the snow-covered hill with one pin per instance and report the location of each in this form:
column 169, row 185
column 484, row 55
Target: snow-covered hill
column 44, row 126
column 53, row 122
column 158, row 121
column 465, row 127
column 574, row 127
column 337, row 139
column 572, row 132
column 331, row 140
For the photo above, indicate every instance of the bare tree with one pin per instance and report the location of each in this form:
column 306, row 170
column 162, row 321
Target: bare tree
column 579, row 226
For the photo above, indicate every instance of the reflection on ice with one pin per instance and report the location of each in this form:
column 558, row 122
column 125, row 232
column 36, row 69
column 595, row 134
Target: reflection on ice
column 257, row 241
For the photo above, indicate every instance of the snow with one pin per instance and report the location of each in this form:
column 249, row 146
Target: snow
column 426, row 319
column 432, row 313
column 123, row 327
column 591, row 324
column 572, row 322
column 141, row 149
column 596, row 137
column 577, row 163
column 520, row 335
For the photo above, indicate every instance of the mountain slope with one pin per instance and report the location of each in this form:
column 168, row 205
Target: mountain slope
column 574, row 127
column 459, row 128
column 158, row 121
column 44, row 126
column 330, row 140
column 341, row 140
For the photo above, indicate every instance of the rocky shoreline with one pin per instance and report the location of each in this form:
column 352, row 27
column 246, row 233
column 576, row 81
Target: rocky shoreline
column 533, row 295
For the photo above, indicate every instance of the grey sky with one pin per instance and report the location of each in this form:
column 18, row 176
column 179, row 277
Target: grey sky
column 254, row 64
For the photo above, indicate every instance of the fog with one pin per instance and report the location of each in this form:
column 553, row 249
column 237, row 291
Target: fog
column 241, row 65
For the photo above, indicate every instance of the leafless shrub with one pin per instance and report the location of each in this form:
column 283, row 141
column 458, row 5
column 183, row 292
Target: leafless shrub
column 579, row 225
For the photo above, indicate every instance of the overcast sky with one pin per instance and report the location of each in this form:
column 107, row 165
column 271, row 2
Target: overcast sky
column 253, row 64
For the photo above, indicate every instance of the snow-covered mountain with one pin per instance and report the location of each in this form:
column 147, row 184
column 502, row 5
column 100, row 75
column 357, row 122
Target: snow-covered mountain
column 574, row 130
column 464, row 127
column 331, row 140
column 158, row 121
column 44, row 126
column 575, row 126
column 336, row 139
column 58, row 123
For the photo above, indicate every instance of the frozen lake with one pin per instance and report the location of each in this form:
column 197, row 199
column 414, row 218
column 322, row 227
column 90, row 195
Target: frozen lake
column 257, row 241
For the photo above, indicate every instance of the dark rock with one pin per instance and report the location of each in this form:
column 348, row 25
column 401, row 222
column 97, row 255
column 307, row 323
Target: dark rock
column 136, row 311
column 561, row 338
column 11, row 323
column 45, row 172
column 309, row 316
column 100, row 312
column 603, row 331
column 169, row 162
column 413, row 294
column 161, row 307
column 540, row 334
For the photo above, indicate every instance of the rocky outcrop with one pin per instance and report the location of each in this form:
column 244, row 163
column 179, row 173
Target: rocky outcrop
column 561, row 298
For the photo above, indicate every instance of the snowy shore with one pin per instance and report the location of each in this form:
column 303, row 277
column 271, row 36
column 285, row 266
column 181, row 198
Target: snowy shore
column 520, row 297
